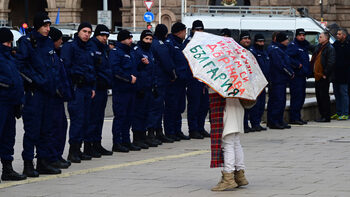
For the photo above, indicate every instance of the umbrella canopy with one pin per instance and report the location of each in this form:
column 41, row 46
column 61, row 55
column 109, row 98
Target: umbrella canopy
column 225, row 66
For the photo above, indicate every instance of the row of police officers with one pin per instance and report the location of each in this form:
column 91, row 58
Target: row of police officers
column 149, row 81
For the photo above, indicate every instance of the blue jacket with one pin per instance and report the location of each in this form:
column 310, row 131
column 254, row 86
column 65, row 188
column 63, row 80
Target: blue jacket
column 145, row 72
column 271, row 46
column 103, row 69
column 11, row 85
column 165, row 68
column 263, row 60
column 188, row 39
column 281, row 70
column 35, row 61
column 63, row 84
column 299, row 54
column 182, row 68
column 123, row 67
column 79, row 62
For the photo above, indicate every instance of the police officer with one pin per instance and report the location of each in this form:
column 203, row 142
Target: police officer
column 245, row 41
column 164, row 75
column 35, row 60
column 197, row 97
column 124, row 92
column 175, row 98
column 64, row 93
column 98, row 44
column 78, row 59
column 273, row 42
column 298, row 52
column 225, row 32
column 282, row 72
column 146, row 89
column 256, row 112
column 11, row 99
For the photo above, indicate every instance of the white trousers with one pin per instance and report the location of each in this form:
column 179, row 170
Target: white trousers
column 233, row 153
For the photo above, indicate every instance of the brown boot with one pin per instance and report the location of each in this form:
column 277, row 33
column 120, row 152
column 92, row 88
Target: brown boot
column 240, row 178
column 227, row 182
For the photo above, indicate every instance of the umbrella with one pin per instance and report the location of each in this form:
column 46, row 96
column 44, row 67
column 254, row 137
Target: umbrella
column 225, row 66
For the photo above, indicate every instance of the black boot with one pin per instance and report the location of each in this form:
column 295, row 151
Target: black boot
column 173, row 137
column 204, row 133
column 8, row 174
column 82, row 155
column 65, row 161
column 28, row 169
column 151, row 135
column 147, row 140
column 43, row 167
column 160, row 136
column 89, row 150
column 59, row 164
column 99, row 148
column 182, row 136
column 120, row 148
column 131, row 146
column 138, row 141
column 73, row 155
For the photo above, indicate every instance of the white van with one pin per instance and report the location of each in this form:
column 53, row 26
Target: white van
column 254, row 19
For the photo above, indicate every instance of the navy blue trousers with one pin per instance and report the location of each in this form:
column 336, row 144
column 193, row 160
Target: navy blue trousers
column 255, row 114
column 123, row 109
column 59, row 127
column 157, row 108
column 277, row 103
column 37, row 121
column 297, row 87
column 141, row 118
column 79, row 113
column 175, row 105
column 197, row 105
column 97, row 115
column 7, row 131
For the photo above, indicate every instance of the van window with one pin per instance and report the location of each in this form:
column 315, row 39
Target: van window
column 312, row 37
column 267, row 35
column 234, row 32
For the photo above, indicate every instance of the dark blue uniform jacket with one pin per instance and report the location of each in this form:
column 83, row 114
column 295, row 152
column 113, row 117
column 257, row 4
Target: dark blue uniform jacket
column 123, row 67
column 145, row 72
column 102, row 66
column 263, row 60
column 79, row 62
column 299, row 54
column 176, row 46
column 62, row 82
column 35, row 61
column 11, row 85
column 281, row 70
column 165, row 68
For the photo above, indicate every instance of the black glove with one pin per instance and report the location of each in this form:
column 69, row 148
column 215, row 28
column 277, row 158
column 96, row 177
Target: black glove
column 155, row 92
column 18, row 111
column 140, row 94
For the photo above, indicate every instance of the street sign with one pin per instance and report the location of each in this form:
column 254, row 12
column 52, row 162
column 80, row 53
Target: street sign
column 148, row 4
column 104, row 17
column 148, row 17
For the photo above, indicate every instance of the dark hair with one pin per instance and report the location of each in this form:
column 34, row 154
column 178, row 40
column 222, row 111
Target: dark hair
column 325, row 33
column 344, row 31
column 274, row 34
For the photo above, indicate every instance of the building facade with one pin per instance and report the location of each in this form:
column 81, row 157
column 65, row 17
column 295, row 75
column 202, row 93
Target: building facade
column 13, row 12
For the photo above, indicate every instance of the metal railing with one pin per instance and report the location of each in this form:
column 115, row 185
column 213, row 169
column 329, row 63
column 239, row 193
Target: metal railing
column 241, row 10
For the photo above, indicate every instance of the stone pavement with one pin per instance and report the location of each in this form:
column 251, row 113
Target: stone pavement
column 311, row 160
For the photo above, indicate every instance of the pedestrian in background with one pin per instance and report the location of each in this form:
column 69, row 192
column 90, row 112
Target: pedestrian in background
column 322, row 62
column 341, row 75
